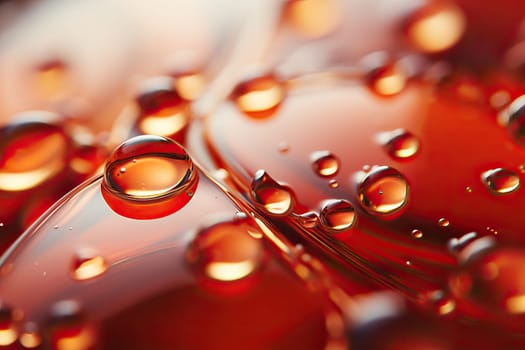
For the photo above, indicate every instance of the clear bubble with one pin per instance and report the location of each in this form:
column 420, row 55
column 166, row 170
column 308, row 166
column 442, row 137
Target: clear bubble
column 399, row 143
column 324, row 163
column 500, row 181
column 442, row 222
column 158, row 179
column 276, row 199
column 259, row 96
column 383, row 191
column 416, row 233
column 337, row 215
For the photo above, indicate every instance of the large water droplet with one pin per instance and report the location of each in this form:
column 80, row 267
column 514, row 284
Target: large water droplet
column 276, row 199
column 161, row 110
column 337, row 215
column 500, row 181
column 8, row 331
column 32, row 151
column 259, row 96
column 514, row 117
column 226, row 252
column 87, row 264
column 383, row 191
column 399, row 143
column 159, row 177
column 324, row 163
column 435, row 27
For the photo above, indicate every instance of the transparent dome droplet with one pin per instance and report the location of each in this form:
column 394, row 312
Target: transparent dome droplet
column 324, row 163
column 259, row 96
column 87, row 264
column 500, row 181
column 337, row 215
column 276, row 199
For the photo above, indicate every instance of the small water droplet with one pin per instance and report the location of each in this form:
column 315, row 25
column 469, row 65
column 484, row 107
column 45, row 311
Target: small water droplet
column 69, row 327
column 324, row 163
column 499, row 99
column 30, row 337
column 159, row 175
column 468, row 189
column 337, row 215
column 408, row 263
column 500, row 181
column 383, row 191
column 443, row 222
column 440, row 302
column 51, row 79
column 161, row 111
column 8, row 331
column 417, row 233
column 259, row 96
column 514, row 118
column 333, row 183
column 436, row 26
column 87, row 264
column 55, row 227
column 384, row 76
column 309, row 219
column 226, row 252
column 283, row 147
column 399, row 143
column 521, row 168
column 276, row 199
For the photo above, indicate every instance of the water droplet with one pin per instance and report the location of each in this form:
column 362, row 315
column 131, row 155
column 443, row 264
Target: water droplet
column 436, row 26
column 87, row 264
column 455, row 245
column 324, row 163
column 383, row 191
column 408, row 263
column 440, row 302
column 69, row 327
column 387, row 79
column 337, row 215
column 158, row 179
column 399, row 143
column 443, row 222
column 499, row 99
column 33, row 150
column 333, row 183
column 468, row 189
column 30, row 337
column 161, row 110
column 189, row 85
column 226, row 252
column 521, row 168
column 283, row 147
column 276, row 199
column 417, row 233
column 514, row 118
column 259, row 96
column 500, row 181
column 8, row 331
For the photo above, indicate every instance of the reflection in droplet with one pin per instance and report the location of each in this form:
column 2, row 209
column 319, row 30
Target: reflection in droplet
column 159, row 177
column 399, row 143
column 309, row 219
column 30, row 337
column 500, row 181
column 8, row 331
column 69, row 328
column 324, row 163
column 455, row 245
column 333, row 183
column 313, row 18
column 443, row 222
column 259, row 96
column 161, row 110
column 383, row 191
column 435, row 27
column 276, row 199
column 337, row 215
column 226, row 252
column 31, row 151
column 514, row 118
column 87, row 264
column 387, row 80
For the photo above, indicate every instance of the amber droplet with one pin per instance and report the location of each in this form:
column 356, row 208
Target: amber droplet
column 87, row 264
column 259, row 96
column 500, row 181
column 51, row 79
column 399, row 143
column 274, row 198
column 324, row 163
column 8, row 331
column 313, row 18
column 158, row 178
column 69, row 328
column 337, row 215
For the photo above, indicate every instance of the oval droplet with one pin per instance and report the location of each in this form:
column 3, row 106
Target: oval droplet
column 500, row 181
column 313, row 18
column 259, row 96
column 333, row 183
column 87, row 264
column 309, row 219
column 399, row 143
column 159, row 177
column 514, row 118
column 442, row 222
column 337, row 215
column 226, row 254
column 33, row 150
column 387, row 79
column 161, row 111
column 324, row 163
column 417, row 234
column 8, row 331
column 383, row 191
column 30, row 337
column 435, row 27
column 276, row 199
